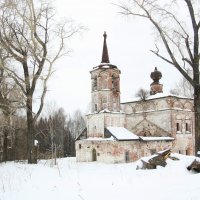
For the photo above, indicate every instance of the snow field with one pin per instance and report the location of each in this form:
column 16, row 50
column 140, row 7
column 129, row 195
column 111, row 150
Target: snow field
column 70, row 180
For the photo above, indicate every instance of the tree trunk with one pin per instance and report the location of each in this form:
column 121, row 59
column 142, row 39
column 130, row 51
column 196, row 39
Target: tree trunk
column 6, row 133
column 5, row 145
column 197, row 119
column 30, row 132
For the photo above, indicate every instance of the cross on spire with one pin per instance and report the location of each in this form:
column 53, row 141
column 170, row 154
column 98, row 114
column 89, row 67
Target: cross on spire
column 105, row 56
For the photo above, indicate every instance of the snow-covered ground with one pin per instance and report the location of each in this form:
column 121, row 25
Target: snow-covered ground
column 95, row 181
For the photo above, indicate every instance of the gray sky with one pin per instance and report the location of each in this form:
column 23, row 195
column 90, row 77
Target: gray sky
column 129, row 42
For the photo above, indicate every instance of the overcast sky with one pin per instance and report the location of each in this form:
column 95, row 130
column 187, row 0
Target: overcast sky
column 129, row 42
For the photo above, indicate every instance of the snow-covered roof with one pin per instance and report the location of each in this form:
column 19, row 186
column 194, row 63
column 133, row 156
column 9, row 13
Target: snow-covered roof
column 121, row 133
column 106, row 111
column 99, row 138
column 156, row 138
column 155, row 96
column 160, row 95
column 105, row 66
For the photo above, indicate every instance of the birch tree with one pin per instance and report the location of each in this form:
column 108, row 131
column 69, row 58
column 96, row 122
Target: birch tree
column 177, row 24
column 33, row 40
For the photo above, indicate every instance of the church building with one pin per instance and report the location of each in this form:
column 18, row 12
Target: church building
column 123, row 132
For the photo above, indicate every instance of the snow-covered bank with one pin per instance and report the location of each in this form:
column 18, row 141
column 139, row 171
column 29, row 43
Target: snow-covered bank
column 94, row 181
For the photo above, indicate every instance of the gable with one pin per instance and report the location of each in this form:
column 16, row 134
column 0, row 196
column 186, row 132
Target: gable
column 147, row 128
column 82, row 135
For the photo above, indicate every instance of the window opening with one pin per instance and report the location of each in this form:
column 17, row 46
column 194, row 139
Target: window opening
column 127, row 158
column 94, row 155
column 94, row 83
column 177, row 127
column 186, row 127
column 95, row 107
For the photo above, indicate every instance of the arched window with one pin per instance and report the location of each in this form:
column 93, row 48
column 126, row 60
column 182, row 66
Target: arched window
column 94, row 83
column 115, row 82
column 94, row 155
column 187, row 127
column 104, row 81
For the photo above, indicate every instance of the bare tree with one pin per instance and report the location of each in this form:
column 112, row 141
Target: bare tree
column 78, row 123
column 183, row 87
column 34, row 42
column 57, row 132
column 10, row 101
column 179, row 36
column 57, row 127
column 142, row 94
column 75, row 125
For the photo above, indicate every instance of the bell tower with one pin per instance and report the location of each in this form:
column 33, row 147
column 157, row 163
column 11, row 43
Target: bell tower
column 105, row 80
column 105, row 97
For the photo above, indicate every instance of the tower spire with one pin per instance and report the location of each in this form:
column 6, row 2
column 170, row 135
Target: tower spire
column 105, row 57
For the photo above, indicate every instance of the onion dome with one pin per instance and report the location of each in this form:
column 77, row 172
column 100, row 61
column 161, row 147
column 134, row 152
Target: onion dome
column 156, row 75
column 156, row 87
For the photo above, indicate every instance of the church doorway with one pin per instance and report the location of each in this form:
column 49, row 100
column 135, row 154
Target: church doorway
column 94, row 155
column 127, row 159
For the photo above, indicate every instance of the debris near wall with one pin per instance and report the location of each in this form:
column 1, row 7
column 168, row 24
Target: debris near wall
column 194, row 166
column 158, row 159
column 146, row 165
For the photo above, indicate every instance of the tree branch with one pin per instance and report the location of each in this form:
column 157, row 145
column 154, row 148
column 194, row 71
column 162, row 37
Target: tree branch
column 163, row 58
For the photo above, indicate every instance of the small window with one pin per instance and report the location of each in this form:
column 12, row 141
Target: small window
column 79, row 146
column 187, row 127
column 187, row 152
column 127, row 158
column 177, row 127
column 95, row 107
